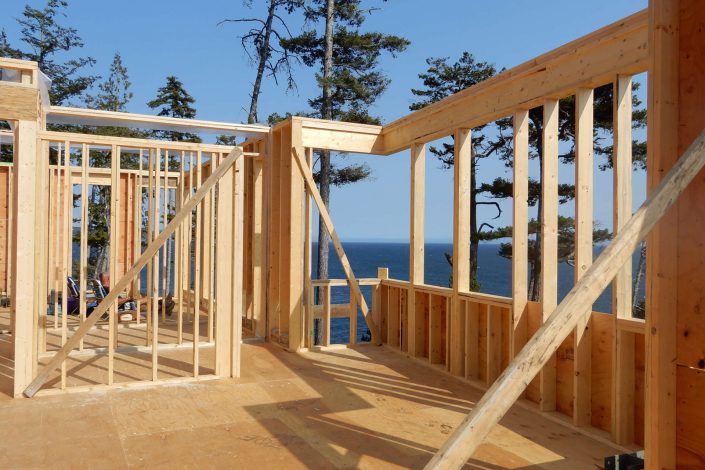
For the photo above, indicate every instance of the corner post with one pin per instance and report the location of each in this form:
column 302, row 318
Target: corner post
column 24, row 203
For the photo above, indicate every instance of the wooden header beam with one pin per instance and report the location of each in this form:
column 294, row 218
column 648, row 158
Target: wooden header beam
column 593, row 60
column 94, row 117
column 18, row 102
column 341, row 136
column 130, row 142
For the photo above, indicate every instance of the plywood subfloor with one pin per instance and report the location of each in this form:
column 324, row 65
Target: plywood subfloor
column 366, row 407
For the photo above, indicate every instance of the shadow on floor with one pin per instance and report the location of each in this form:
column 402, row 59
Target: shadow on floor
column 378, row 406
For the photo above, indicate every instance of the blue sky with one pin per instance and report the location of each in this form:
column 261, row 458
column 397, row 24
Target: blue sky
column 158, row 38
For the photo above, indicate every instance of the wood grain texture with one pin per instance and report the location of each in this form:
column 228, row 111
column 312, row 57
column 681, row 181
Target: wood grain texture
column 124, row 281
column 542, row 347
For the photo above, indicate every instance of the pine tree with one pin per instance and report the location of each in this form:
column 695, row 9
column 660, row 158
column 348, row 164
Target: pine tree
column 350, row 82
column 603, row 128
column 443, row 79
column 113, row 95
column 115, row 90
column 260, row 48
column 174, row 101
column 46, row 38
column 6, row 50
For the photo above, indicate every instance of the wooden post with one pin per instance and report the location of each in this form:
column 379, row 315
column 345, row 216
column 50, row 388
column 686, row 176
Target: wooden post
column 461, row 246
column 155, row 267
column 182, row 261
column 494, row 343
column 326, row 315
column 224, row 292
column 293, row 213
column 66, row 252
column 210, row 226
column 114, row 249
column 662, row 251
column 137, row 283
column 57, row 237
column 165, row 220
column 41, row 224
column 308, row 248
column 623, row 341
column 416, row 246
column 150, row 232
column 472, row 340
column 23, row 274
column 675, row 357
column 274, row 230
column 198, row 239
column 549, row 240
column 353, row 320
column 520, row 232
column 265, row 159
column 582, row 380
column 382, row 307
column 238, row 265
column 258, row 247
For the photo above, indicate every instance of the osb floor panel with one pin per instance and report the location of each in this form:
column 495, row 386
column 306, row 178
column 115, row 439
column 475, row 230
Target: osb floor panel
column 366, row 407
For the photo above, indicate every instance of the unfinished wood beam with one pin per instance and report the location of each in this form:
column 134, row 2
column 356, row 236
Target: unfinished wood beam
column 274, row 234
column 543, row 345
column 353, row 319
column 292, row 212
column 461, row 244
column 259, row 245
column 198, row 240
column 623, row 361
column 494, row 343
column 582, row 365
column 323, row 213
column 114, row 240
column 326, row 315
column 237, row 263
column 150, row 237
column 66, row 253
column 664, row 108
column 308, row 250
column 520, row 232
column 416, row 245
column 472, row 340
column 23, row 206
column 590, row 61
column 340, row 136
column 41, row 224
column 125, row 280
column 549, row 241
column 224, row 293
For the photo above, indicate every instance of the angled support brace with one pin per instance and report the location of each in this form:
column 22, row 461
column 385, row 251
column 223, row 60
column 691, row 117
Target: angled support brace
column 323, row 211
column 125, row 280
column 521, row 371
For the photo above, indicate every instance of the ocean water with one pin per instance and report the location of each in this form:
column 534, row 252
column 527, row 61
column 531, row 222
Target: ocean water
column 494, row 274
